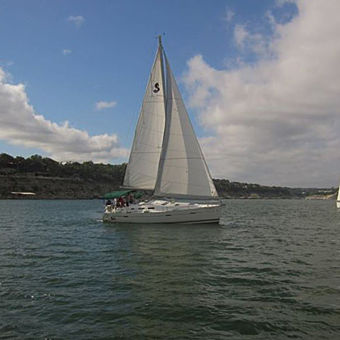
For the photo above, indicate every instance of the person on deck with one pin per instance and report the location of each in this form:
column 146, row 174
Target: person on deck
column 121, row 202
column 130, row 198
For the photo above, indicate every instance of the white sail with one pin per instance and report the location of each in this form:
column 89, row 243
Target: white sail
column 141, row 171
column 338, row 198
column 182, row 171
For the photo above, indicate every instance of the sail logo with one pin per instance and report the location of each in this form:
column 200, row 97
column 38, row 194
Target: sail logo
column 156, row 88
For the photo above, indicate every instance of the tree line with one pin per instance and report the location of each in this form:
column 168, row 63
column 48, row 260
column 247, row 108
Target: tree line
column 111, row 176
column 37, row 165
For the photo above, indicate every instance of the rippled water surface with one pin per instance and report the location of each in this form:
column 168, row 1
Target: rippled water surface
column 270, row 271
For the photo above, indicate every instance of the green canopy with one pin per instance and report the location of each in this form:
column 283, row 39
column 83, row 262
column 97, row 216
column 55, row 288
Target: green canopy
column 116, row 194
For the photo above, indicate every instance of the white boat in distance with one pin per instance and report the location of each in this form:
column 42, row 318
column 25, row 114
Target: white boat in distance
column 338, row 199
column 166, row 158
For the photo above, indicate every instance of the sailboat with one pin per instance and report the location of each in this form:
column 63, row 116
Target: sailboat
column 167, row 159
column 338, row 199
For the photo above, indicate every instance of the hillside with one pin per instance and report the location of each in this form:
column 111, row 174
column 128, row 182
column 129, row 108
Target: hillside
column 49, row 179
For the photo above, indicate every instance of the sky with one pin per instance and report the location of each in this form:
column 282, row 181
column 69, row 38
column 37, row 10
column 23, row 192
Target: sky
column 260, row 79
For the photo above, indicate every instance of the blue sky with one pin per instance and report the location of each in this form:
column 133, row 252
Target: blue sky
column 70, row 55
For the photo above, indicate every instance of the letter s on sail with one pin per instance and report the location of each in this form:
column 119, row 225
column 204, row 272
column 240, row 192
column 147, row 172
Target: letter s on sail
column 156, row 88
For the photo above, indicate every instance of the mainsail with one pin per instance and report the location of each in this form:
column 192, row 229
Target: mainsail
column 166, row 156
column 142, row 169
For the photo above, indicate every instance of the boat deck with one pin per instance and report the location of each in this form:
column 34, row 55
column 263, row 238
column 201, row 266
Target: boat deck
column 161, row 211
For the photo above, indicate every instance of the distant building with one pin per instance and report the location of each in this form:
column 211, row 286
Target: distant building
column 23, row 193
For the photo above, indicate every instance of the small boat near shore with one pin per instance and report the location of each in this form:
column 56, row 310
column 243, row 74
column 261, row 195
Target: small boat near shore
column 167, row 159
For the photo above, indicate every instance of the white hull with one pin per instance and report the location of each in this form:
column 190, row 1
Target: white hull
column 338, row 204
column 158, row 211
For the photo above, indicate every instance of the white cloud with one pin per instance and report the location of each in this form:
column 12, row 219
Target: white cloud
column 276, row 121
column 282, row 2
column 6, row 63
column 251, row 42
column 77, row 20
column 240, row 35
column 21, row 125
column 66, row 52
column 229, row 14
column 105, row 105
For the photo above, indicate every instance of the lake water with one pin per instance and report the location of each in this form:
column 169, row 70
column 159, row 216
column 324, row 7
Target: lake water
column 270, row 271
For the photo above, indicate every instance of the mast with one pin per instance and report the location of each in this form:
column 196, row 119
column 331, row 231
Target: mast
column 164, row 143
column 160, row 46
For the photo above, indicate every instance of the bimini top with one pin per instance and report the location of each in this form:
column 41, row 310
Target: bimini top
column 122, row 193
column 117, row 194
